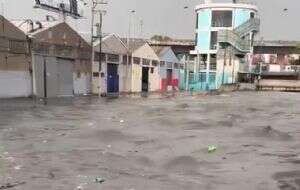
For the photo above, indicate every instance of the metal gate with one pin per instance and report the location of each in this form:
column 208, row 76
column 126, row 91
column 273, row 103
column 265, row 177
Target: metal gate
column 65, row 77
column 53, row 77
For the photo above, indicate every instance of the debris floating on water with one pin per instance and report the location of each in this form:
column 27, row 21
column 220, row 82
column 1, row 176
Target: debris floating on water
column 211, row 148
column 99, row 180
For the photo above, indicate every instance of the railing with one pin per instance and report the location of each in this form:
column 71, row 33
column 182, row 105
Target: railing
column 250, row 25
column 229, row 36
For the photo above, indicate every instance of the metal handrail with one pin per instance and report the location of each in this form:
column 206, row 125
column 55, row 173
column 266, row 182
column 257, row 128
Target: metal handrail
column 249, row 26
column 229, row 36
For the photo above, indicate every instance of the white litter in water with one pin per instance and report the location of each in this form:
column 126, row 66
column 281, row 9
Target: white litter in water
column 18, row 167
column 121, row 121
column 109, row 146
column 91, row 124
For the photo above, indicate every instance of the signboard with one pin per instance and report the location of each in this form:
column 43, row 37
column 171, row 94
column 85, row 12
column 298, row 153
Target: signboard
column 69, row 7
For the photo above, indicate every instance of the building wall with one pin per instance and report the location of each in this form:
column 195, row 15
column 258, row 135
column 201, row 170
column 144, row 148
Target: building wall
column 145, row 52
column 209, row 79
column 80, row 73
column 15, row 77
column 239, row 16
column 227, row 70
column 169, row 57
column 82, row 77
column 136, row 81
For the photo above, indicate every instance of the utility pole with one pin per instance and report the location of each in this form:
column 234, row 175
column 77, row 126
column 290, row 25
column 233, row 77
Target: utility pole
column 94, row 38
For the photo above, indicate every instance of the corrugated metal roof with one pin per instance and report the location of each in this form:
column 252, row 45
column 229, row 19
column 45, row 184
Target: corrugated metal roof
column 111, row 43
column 133, row 43
column 27, row 28
column 160, row 50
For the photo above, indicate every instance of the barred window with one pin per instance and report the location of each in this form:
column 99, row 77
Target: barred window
column 96, row 57
column 146, row 61
column 136, row 60
column 154, row 63
column 169, row 65
column 113, row 58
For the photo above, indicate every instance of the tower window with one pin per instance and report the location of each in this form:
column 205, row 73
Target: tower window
column 221, row 18
column 213, row 40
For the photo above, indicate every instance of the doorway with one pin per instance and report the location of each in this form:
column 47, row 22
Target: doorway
column 112, row 79
column 169, row 77
column 145, row 79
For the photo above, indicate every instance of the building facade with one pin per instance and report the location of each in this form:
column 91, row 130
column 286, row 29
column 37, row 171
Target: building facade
column 115, row 71
column 60, row 59
column 224, row 35
column 15, row 62
column 169, row 68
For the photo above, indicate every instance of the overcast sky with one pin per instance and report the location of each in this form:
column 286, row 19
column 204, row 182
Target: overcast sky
column 168, row 17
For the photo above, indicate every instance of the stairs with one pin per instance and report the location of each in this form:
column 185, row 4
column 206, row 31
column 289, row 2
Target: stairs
column 251, row 25
column 236, row 37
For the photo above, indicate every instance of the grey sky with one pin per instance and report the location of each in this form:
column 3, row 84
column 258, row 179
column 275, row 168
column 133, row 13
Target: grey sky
column 168, row 17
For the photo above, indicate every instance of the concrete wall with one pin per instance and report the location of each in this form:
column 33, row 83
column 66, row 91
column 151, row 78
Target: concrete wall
column 136, row 81
column 15, row 77
column 228, row 73
column 15, row 84
column 82, row 77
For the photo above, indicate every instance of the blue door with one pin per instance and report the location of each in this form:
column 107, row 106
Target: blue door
column 112, row 79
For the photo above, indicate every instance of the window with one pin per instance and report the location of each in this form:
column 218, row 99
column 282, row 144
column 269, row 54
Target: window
column 96, row 57
column 124, row 61
column 213, row 62
column 197, row 21
column 95, row 74
column 151, row 70
column 169, row 65
column 212, row 77
column 202, row 77
column 213, row 40
column 162, row 63
column 154, row 63
column 176, row 65
column 203, row 62
column 196, row 39
column 113, row 58
column 221, row 18
column 146, row 61
column 78, row 74
column 181, row 66
column 136, row 60
column 252, row 15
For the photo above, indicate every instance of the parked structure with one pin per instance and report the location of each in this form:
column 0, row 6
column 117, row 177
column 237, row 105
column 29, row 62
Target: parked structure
column 144, row 67
column 114, row 76
column 168, row 68
column 181, row 49
column 224, row 35
column 15, row 67
column 276, row 56
column 277, row 65
column 61, row 59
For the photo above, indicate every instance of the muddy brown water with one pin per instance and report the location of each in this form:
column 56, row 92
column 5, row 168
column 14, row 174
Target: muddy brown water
column 152, row 143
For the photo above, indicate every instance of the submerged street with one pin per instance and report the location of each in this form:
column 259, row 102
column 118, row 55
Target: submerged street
column 152, row 143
